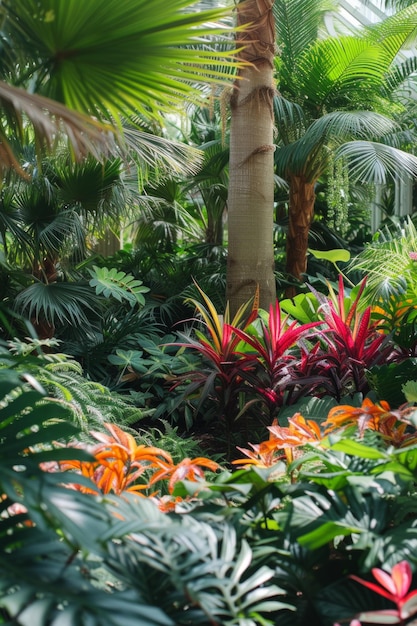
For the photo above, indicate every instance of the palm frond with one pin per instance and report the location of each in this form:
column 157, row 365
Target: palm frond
column 340, row 126
column 336, row 70
column 153, row 151
column 398, row 76
column 138, row 60
column 49, row 120
column 397, row 31
column 311, row 152
column 297, row 26
column 290, row 120
column 87, row 185
column 376, row 162
column 387, row 263
column 57, row 302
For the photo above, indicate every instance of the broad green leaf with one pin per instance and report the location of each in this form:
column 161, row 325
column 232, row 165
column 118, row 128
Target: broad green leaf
column 407, row 457
column 354, row 448
column 409, row 389
column 302, row 308
column 331, row 255
column 324, row 533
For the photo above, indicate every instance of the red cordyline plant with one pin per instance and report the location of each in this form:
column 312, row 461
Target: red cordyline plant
column 394, row 587
column 220, row 379
column 350, row 341
column 273, row 357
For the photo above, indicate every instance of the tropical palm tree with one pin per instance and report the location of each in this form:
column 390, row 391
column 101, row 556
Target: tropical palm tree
column 45, row 225
column 338, row 99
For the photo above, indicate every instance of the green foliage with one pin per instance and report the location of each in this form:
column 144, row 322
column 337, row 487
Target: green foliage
column 245, row 549
column 64, row 545
column 388, row 265
column 88, row 403
column 118, row 285
column 388, row 381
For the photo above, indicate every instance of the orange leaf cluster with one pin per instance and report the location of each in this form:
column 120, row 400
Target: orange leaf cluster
column 122, row 465
column 391, row 424
column 282, row 441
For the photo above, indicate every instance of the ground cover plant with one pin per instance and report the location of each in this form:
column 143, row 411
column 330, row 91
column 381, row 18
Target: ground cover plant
column 99, row 530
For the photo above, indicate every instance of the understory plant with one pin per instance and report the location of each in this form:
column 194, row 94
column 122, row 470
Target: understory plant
column 117, row 530
column 72, row 556
column 255, row 367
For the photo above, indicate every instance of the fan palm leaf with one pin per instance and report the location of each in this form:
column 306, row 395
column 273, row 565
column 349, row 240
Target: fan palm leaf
column 154, row 152
column 104, row 56
column 311, row 153
column 376, row 162
column 63, row 302
column 89, row 187
column 46, row 224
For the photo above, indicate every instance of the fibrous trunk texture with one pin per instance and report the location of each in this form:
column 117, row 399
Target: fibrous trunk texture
column 251, row 185
column 301, row 214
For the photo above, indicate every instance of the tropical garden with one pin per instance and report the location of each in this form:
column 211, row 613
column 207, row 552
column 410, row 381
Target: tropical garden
column 208, row 357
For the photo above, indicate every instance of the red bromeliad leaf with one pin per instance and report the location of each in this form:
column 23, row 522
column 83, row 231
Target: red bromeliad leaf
column 374, row 587
column 278, row 336
column 409, row 605
column 393, row 587
column 398, row 583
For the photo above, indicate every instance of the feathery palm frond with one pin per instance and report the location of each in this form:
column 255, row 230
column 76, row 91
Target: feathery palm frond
column 332, row 71
column 292, row 121
column 396, row 32
column 297, row 24
column 388, row 265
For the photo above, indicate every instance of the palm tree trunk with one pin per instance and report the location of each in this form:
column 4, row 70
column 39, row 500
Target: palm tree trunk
column 301, row 212
column 251, row 167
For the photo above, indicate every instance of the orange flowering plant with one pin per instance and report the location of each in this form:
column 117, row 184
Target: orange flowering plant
column 394, row 426
column 282, row 442
column 122, row 465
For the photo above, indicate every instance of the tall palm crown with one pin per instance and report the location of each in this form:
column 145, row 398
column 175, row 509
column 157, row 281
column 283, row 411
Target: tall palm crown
column 338, row 96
